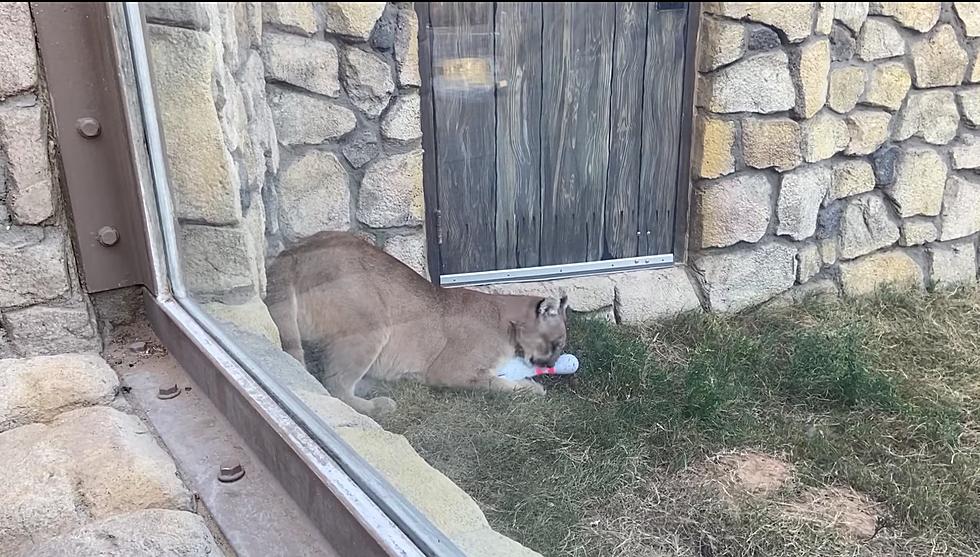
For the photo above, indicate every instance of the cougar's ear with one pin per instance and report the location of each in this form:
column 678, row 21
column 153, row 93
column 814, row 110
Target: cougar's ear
column 549, row 307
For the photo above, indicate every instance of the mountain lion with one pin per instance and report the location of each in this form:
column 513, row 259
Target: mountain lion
column 348, row 310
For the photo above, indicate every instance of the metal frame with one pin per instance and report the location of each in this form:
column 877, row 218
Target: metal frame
column 550, row 272
column 255, row 514
column 379, row 508
column 333, row 502
column 430, row 185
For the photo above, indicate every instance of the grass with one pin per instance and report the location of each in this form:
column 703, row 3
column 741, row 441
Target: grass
column 879, row 394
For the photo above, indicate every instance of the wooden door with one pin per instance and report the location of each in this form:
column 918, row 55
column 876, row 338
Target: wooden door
column 555, row 131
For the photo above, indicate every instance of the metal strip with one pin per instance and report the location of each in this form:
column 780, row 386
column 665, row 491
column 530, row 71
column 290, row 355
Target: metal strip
column 201, row 441
column 154, row 142
column 428, row 539
column 349, row 521
column 550, row 272
column 430, row 176
column 416, row 526
column 137, row 135
column 94, row 144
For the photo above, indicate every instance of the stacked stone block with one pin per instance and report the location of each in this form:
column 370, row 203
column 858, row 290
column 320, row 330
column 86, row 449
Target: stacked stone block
column 283, row 120
column 42, row 308
column 836, row 148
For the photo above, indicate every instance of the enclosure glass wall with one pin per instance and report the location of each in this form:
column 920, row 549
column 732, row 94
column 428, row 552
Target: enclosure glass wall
column 308, row 219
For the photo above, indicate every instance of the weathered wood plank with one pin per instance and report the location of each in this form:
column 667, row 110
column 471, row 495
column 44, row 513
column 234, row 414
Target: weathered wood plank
column 577, row 70
column 662, row 113
column 518, row 74
column 463, row 93
column 623, row 182
column 682, row 207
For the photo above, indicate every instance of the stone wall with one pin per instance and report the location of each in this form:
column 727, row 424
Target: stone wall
column 836, row 148
column 42, row 307
column 283, row 120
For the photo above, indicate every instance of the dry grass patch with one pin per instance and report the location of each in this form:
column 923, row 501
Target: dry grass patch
column 749, row 473
column 844, row 509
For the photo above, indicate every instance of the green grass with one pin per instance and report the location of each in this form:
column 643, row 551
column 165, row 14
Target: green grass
column 879, row 394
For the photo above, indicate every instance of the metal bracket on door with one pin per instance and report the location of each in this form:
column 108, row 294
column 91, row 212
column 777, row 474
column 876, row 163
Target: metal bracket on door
column 550, row 272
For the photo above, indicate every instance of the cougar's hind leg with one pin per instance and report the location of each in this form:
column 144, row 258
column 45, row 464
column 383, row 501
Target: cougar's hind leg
column 347, row 362
column 283, row 311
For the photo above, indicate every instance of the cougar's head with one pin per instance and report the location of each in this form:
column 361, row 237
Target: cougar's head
column 540, row 339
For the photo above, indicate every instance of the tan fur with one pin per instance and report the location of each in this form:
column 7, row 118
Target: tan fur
column 365, row 314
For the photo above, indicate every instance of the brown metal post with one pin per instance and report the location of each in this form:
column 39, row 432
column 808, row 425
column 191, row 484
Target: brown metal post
column 99, row 179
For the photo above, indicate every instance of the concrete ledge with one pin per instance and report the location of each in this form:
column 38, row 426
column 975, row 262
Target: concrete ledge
column 631, row 297
column 450, row 508
column 489, row 543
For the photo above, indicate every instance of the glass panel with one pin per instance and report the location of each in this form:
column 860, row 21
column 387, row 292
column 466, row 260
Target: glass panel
column 251, row 109
column 295, row 148
column 294, row 162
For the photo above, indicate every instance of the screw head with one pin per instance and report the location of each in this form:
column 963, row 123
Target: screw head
column 108, row 236
column 167, row 393
column 233, row 473
column 88, row 127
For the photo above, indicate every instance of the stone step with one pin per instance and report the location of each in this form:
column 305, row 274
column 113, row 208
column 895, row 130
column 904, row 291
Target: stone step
column 87, row 464
column 79, row 477
column 38, row 389
column 147, row 532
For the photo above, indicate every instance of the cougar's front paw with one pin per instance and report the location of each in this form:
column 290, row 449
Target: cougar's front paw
column 531, row 387
column 382, row 405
